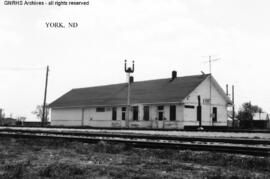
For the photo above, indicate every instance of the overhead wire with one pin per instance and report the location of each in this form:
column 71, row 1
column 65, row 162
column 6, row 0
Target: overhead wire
column 21, row 68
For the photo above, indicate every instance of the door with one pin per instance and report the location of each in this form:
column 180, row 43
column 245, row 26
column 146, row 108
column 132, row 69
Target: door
column 160, row 113
column 146, row 113
column 114, row 113
column 172, row 113
column 135, row 110
column 214, row 114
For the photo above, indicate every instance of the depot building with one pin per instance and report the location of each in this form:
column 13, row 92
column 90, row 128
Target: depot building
column 170, row 103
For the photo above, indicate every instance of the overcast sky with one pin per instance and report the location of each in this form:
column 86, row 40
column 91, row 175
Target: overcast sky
column 160, row 35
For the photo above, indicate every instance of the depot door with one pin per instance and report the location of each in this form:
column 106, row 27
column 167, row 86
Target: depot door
column 135, row 110
column 114, row 113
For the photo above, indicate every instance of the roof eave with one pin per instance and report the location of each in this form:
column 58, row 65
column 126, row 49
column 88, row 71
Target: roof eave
column 111, row 105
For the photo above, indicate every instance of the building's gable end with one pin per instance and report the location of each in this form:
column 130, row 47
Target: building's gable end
column 203, row 90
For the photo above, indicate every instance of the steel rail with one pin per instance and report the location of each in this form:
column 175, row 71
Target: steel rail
column 148, row 136
column 150, row 129
column 247, row 150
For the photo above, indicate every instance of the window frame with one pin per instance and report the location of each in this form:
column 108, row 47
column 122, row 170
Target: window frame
column 189, row 106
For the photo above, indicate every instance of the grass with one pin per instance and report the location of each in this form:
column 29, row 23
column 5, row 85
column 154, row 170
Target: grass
column 26, row 158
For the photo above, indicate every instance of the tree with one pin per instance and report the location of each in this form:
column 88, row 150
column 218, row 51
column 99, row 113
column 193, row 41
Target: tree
column 20, row 121
column 39, row 111
column 2, row 116
column 245, row 114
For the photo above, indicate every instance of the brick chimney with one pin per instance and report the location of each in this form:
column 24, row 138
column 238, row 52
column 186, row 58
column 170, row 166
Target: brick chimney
column 174, row 75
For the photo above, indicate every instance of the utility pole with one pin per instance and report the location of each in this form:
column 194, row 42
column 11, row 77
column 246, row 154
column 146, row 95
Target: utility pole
column 210, row 60
column 1, row 117
column 199, row 113
column 233, row 112
column 128, row 71
column 44, row 115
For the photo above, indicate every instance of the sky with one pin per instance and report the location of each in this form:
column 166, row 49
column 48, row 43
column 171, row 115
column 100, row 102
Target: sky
column 159, row 35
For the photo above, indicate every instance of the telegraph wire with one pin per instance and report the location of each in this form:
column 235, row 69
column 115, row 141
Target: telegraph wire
column 21, row 68
column 44, row 118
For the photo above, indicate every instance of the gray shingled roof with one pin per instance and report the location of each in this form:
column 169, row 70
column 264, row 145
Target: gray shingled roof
column 152, row 91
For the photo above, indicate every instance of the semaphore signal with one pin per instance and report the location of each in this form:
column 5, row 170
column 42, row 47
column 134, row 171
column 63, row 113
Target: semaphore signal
column 128, row 71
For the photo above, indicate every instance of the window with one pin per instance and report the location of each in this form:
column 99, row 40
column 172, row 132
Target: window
column 135, row 110
column 123, row 113
column 146, row 113
column 189, row 106
column 99, row 109
column 214, row 114
column 172, row 113
column 114, row 113
column 206, row 101
column 160, row 107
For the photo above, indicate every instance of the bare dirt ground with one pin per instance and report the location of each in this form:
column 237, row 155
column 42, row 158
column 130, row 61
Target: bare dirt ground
column 35, row 158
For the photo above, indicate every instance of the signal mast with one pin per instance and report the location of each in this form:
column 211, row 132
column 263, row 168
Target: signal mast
column 128, row 71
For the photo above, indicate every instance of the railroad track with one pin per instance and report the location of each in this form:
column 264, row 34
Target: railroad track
column 224, row 130
column 145, row 136
column 256, row 147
